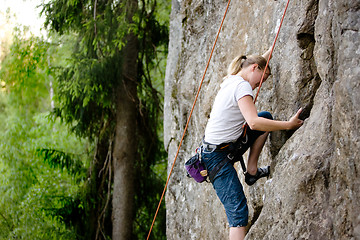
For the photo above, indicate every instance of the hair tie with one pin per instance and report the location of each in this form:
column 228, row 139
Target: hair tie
column 242, row 60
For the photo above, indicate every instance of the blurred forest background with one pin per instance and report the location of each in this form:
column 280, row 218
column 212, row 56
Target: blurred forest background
column 81, row 145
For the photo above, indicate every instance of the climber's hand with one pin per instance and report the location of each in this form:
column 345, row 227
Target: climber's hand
column 267, row 54
column 295, row 122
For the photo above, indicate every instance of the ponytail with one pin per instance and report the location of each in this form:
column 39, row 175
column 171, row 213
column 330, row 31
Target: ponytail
column 243, row 61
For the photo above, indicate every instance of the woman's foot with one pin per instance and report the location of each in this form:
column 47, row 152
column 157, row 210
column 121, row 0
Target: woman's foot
column 261, row 172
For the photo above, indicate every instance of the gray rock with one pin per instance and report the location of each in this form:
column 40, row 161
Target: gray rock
column 313, row 192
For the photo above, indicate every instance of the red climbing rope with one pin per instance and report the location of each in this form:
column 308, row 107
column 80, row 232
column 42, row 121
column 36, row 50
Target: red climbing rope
column 187, row 123
column 272, row 49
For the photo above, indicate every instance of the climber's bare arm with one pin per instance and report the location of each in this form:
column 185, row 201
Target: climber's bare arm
column 248, row 109
column 267, row 54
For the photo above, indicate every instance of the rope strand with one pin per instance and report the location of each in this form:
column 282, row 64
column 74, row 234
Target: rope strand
column 187, row 123
column 272, row 49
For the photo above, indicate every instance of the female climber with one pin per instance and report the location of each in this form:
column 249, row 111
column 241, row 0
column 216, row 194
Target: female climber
column 233, row 106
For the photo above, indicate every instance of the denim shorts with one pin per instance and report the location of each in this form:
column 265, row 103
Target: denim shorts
column 227, row 184
column 229, row 189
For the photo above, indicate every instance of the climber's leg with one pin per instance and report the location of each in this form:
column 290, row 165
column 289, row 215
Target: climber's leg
column 254, row 154
column 256, row 141
column 237, row 233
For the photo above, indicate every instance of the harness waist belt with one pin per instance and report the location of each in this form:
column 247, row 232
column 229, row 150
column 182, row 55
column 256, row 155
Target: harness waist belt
column 235, row 154
column 221, row 147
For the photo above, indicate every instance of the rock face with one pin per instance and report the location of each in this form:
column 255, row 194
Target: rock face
column 314, row 189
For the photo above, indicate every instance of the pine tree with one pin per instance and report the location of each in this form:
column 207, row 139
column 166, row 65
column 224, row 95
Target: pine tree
column 106, row 93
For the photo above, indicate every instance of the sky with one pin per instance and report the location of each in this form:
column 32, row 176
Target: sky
column 18, row 12
column 26, row 13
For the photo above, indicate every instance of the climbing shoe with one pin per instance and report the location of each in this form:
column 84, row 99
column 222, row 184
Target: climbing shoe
column 261, row 172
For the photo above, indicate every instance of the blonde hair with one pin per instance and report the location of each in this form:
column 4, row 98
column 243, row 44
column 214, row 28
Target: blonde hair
column 243, row 61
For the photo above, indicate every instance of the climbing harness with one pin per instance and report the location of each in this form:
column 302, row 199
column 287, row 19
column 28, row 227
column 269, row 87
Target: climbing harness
column 196, row 97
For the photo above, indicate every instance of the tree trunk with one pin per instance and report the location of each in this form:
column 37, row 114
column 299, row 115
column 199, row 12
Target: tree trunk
column 125, row 144
column 124, row 157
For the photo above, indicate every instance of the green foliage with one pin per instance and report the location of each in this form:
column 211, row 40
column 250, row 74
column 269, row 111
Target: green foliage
column 86, row 84
column 34, row 195
column 24, row 72
column 85, row 93
column 62, row 160
column 101, row 27
column 85, row 88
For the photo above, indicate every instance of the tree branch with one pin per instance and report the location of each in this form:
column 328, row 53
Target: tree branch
column 107, row 165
